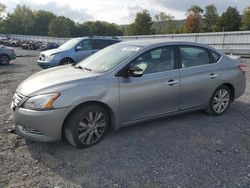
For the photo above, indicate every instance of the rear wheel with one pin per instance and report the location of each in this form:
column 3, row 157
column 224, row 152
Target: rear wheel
column 219, row 101
column 66, row 61
column 86, row 126
column 4, row 59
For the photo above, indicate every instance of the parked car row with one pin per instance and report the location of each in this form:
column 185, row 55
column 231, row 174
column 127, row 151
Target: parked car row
column 28, row 44
column 52, row 54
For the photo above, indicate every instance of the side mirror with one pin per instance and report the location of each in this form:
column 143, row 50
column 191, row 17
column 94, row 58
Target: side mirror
column 78, row 48
column 135, row 72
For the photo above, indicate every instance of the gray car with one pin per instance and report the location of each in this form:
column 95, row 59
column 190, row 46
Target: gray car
column 74, row 51
column 6, row 54
column 124, row 84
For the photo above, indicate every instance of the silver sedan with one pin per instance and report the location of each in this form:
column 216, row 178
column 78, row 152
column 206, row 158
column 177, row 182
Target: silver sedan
column 124, row 84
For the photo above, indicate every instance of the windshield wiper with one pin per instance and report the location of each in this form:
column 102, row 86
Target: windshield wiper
column 77, row 67
column 87, row 69
column 80, row 67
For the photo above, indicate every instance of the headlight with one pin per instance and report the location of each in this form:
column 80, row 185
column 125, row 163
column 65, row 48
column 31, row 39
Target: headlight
column 49, row 57
column 41, row 102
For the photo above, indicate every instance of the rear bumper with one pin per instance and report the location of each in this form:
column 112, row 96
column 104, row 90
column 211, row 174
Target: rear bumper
column 42, row 126
column 47, row 64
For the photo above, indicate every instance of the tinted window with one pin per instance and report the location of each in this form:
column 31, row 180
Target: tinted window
column 86, row 45
column 113, row 42
column 193, row 56
column 215, row 56
column 100, row 44
column 158, row 60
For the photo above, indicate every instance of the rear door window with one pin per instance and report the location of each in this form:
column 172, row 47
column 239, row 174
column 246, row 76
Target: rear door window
column 100, row 44
column 192, row 56
column 215, row 56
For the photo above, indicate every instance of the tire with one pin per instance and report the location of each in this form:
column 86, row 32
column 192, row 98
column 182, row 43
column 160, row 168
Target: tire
column 4, row 59
column 220, row 101
column 66, row 61
column 80, row 128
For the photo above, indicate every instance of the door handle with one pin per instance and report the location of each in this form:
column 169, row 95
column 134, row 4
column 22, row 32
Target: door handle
column 172, row 82
column 212, row 75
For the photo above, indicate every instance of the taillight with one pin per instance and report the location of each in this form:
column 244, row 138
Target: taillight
column 243, row 67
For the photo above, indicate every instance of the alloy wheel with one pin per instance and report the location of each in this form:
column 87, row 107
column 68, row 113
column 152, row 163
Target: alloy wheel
column 4, row 59
column 91, row 127
column 221, row 101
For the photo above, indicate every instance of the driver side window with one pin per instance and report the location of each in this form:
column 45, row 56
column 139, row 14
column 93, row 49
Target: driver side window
column 156, row 60
column 86, row 45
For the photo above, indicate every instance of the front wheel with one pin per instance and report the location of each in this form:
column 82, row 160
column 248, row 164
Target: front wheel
column 86, row 126
column 219, row 101
column 66, row 61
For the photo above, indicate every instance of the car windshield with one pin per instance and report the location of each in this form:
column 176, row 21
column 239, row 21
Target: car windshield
column 108, row 58
column 70, row 44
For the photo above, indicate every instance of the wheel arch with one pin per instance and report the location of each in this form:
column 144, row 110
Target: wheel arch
column 102, row 104
column 65, row 58
column 231, row 88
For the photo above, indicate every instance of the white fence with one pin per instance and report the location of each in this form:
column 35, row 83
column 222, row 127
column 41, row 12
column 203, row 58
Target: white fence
column 234, row 41
column 219, row 40
column 35, row 38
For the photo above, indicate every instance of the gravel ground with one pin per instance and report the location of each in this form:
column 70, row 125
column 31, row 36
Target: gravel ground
column 191, row 150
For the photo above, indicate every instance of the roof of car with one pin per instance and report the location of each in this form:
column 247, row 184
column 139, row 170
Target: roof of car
column 150, row 42
column 98, row 37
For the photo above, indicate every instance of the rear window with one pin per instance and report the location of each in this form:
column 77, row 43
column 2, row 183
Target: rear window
column 215, row 56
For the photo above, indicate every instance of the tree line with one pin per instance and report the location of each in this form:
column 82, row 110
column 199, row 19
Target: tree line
column 24, row 20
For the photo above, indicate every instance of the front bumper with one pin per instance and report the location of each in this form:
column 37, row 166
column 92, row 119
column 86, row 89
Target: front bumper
column 12, row 56
column 47, row 64
column 42, row 126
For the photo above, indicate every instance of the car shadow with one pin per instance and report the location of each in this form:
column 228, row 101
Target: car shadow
column 6, row 69
column 132, row 150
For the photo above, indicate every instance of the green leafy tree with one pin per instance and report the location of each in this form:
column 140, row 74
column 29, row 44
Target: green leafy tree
column 2, row 11
column 142, row 25
column 83, row 30
column 164, row 23
column 193, row 22
column 103, row 28
column 42, row 21
column 27, row 18
column 210, row 18
column 58, row 27
column 21, row 21
column 246, row 19
column 230, row 20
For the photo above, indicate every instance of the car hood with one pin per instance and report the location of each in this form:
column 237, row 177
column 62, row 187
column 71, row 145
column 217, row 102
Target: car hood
column 55, row 80
column 52, row 51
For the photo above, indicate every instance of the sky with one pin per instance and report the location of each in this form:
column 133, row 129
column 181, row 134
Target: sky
column 120, row 12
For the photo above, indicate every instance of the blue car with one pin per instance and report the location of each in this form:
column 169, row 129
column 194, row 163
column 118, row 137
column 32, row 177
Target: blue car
column 74, row 51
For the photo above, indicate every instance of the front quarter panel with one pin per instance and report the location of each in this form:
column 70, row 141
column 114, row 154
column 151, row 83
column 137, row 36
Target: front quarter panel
column 104, row 90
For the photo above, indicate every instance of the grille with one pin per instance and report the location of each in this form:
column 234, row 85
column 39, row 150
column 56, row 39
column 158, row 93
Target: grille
column 17, row 98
